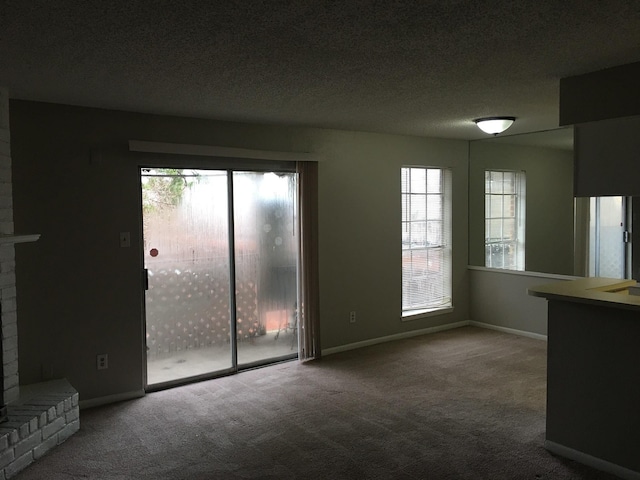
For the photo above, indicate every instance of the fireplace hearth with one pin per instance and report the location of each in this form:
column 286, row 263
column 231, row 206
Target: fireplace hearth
column 44, row 416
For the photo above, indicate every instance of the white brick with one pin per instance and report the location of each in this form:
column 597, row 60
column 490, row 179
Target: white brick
column 11, row 434
column 10, row 381
column 51, row 414
column 6, row 293
column 10, row 368
column 72, row 415
column 28, row 444
column 11, row 394
column 11, row 390
column 9, row 318
column 69, row 430
column 9, row 349
column 10, row 330
column 5, row 135
column 19, row 464
column 28, row 423
column 6, row 228
column 37, row 427
column 9, row 338
column 5, row 170
column 6, row 215
column 53, row 427
column 7, row 265
column 42, row 419
column 9, row 304
column 9, row 345
column 7, row 279
column 6, row 458
column 7, row 331
column 5, row 148
column 24, row 416
column 45, row 446
column 21, row 428
column 33, row 424
column 7, row 253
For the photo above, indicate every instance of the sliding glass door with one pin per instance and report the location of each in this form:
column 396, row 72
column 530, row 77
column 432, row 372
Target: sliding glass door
column 609, row 237
column 221, row 256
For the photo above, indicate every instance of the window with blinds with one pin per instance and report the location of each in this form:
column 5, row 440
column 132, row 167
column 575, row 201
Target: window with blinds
column 426, row 239
column 504, row 219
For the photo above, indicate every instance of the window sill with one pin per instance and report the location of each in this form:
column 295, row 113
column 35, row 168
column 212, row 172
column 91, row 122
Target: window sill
column 425, row 313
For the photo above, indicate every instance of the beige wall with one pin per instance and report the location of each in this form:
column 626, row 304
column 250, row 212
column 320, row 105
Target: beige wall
column 80, row 294
column 549, row 202
column 499, row 298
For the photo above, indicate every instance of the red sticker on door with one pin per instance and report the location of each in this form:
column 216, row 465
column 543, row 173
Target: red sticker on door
column 153, row 252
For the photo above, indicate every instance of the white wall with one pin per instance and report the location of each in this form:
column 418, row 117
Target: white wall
column 498, row 298
column 78, row 280
column 549, row 240
column 360, row 234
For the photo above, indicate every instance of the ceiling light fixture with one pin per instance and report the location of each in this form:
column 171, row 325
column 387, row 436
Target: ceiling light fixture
column 494, row 125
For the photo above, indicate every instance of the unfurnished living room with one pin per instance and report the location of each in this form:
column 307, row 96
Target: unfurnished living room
column 319, row 240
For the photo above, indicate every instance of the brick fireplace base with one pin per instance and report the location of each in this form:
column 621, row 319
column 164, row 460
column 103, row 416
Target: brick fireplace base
column 44, row 416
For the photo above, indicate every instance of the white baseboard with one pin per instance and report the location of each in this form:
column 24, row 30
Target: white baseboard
column 512, row 331
column 591, row 461
column 425, row 331
column 118, row 397
column 390, row 338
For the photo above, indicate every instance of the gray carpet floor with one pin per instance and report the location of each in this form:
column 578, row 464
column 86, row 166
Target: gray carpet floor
column 467, row 403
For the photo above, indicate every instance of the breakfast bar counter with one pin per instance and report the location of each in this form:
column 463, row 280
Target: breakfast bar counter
column 593, row 373
column 611, row 292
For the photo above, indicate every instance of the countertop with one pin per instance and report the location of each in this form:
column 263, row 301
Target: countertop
column 607, row 292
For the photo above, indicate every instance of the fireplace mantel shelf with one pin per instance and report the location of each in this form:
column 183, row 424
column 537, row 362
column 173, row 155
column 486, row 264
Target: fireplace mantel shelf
column 18, row 238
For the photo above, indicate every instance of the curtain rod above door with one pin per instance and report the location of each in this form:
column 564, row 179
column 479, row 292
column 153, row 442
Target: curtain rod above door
column 215, row 151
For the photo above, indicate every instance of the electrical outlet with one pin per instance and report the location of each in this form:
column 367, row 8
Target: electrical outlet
column 352, row 316
column 102, row 361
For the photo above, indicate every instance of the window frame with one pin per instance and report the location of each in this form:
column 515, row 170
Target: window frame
column 503, row 242
column 434, row 259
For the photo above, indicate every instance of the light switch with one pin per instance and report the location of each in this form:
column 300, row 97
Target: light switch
column 125, row 239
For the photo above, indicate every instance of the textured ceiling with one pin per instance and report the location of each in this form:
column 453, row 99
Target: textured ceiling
column 415, row 67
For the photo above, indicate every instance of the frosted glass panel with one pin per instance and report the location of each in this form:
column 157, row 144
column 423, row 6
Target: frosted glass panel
column 606, row 245
column 186, row 253
column 266, row 264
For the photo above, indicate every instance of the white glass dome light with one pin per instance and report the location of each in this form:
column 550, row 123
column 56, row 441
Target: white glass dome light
column 494, row 125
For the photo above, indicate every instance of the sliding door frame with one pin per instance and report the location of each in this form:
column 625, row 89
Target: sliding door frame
column 228, row 165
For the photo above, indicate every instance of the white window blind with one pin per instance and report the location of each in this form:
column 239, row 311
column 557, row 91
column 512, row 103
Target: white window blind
column 505, row 219
column 426, row 239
